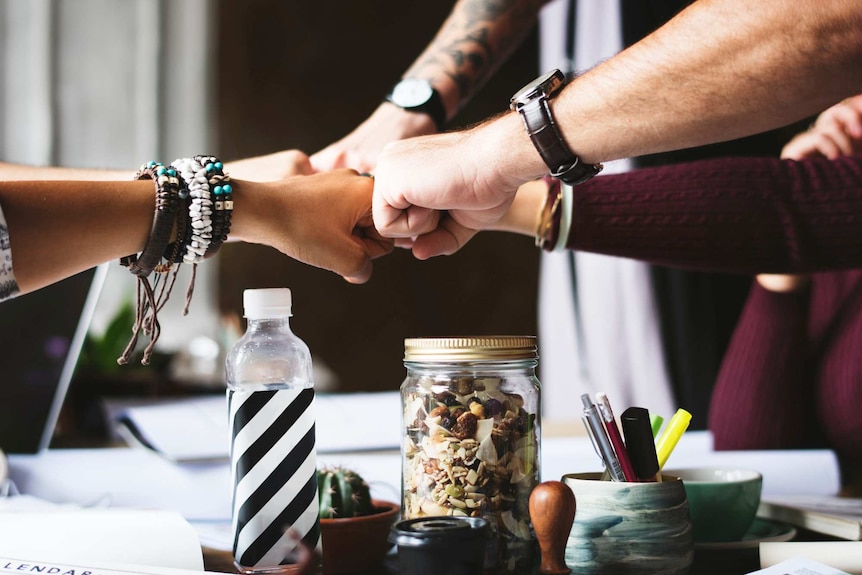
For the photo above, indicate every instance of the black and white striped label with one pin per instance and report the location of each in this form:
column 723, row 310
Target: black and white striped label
column 274, row 474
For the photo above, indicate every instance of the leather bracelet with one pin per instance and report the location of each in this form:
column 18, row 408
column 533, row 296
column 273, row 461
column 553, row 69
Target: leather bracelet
column 167, row 187
column 549, row 219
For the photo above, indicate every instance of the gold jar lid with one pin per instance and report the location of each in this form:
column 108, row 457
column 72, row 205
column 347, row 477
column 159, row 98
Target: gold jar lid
column 470, row 348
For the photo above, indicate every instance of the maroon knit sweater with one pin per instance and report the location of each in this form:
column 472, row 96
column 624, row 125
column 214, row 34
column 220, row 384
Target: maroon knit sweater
column 745, row 215
column 791, row 375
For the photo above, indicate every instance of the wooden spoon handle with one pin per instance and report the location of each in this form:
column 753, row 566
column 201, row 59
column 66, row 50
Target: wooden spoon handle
column 552, row 511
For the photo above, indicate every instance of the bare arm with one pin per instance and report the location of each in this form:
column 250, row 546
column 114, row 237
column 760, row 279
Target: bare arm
column 721, row 69
column 59, row 228
column 474, row 41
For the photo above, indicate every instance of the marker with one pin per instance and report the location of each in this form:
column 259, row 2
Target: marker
column 615, row 437
column 655, row 421
column 594, row 423
column 665, row 444
column 639, row 443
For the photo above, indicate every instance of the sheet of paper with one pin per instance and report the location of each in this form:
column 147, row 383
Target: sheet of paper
column 196, row 429
column 85, row 536
column 17, row 565
column 798, row 566
column 124, row 477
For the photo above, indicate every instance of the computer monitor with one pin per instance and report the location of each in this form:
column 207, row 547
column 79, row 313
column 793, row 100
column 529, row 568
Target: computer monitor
column 41, row 335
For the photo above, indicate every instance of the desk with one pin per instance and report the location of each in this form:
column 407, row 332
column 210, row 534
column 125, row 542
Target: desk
column 140, row 478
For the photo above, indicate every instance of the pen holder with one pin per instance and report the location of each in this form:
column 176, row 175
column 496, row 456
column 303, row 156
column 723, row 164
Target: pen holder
column 629, row 528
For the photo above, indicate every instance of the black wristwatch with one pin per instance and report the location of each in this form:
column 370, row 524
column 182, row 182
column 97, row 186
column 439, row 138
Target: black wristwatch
column 532, row 102
column 417, row 95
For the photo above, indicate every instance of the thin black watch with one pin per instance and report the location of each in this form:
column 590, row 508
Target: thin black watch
column 418, row 95
column 532, row 102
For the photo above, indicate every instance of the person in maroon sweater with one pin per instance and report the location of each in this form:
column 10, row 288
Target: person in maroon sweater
column 790, row 378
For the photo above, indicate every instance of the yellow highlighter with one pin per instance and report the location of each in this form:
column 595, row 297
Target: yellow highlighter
column 666, row 442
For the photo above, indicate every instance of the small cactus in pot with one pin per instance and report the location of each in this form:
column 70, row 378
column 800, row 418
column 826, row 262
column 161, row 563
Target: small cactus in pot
column 342, row 493
column 354, row 527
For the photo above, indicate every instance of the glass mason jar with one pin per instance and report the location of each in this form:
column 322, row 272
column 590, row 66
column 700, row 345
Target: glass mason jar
column 471, row 438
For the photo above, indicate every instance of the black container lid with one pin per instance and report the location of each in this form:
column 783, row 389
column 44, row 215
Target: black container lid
column 433, row 531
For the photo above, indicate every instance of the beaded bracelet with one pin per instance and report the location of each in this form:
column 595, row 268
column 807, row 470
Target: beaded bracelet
column 222, row 193
column 200, row 207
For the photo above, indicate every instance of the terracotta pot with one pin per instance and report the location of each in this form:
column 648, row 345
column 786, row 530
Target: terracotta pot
column 357, row 543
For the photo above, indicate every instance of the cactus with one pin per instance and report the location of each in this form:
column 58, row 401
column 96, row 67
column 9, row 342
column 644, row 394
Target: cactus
column 342, row 493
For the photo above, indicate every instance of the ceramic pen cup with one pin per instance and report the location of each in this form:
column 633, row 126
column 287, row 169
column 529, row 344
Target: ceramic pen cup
column 722, row 501
column 628, row 528
column 434, row 545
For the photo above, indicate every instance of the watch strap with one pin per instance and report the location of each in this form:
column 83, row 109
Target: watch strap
column 433, row 106
column 542, row 129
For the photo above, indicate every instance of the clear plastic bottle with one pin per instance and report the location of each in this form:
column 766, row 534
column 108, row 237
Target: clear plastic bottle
column 273, row 461
column 471, row 418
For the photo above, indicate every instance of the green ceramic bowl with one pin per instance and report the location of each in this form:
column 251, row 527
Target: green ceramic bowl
column 722, row 501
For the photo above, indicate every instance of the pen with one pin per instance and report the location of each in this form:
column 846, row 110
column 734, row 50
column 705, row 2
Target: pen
column 655, row 421
column 593, row 421
column 666, row 442
column 607, row 414
column 639, row 443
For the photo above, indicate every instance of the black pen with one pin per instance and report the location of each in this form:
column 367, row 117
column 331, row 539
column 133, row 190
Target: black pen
column 640, row 444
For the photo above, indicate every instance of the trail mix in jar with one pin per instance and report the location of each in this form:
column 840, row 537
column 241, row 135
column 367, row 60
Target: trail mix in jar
column 471, row 449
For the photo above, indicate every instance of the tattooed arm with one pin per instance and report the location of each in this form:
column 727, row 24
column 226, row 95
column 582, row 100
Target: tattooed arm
column 475, row 39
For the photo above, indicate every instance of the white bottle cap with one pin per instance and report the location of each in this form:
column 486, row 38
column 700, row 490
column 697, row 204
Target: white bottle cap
column 265, row 303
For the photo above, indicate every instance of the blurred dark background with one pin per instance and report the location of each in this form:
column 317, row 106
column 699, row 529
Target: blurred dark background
column 304, row 74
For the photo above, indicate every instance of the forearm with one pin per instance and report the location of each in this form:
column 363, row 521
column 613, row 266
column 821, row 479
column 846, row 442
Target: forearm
column 60, row 228
column 476, row 38
column 57, row 229
column 721, row 69
column 765, row 386
column 744, row 215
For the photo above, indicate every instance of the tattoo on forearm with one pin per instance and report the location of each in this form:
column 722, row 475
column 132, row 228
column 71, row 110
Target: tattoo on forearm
column 477, row 37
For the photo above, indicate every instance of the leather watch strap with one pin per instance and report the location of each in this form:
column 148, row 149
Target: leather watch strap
column 542, row 129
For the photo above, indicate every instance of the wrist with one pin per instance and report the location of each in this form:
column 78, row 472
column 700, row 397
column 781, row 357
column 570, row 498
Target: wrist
column 410, row 124
column 513, row 154
column 248, row 208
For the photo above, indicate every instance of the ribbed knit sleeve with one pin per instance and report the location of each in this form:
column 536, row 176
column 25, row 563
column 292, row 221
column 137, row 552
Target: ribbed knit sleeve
column 766, row 387
column 745, row 215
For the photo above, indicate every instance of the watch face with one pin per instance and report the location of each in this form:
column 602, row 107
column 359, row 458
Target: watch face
column 546, row 84
column 411, row 92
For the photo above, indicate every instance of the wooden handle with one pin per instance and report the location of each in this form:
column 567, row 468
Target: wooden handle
column 552, row 511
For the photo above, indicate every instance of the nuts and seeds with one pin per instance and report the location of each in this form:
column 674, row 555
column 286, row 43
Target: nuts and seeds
column 471, row 449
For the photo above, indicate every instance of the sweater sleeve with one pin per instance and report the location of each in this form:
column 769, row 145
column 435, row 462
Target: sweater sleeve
column 742, row 215
column 765, row 388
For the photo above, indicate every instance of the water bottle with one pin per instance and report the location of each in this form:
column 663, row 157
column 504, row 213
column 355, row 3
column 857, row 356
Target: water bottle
column 273, row 461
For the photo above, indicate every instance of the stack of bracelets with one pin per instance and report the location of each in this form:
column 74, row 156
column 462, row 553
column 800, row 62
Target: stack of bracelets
column 193, row 196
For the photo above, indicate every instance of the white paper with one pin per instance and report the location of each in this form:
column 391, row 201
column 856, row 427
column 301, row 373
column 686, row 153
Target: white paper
column 197, row 428
column 844, row 555
column 797, row 566
column 124, row 477
column 85, row 536
column 17, row 565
